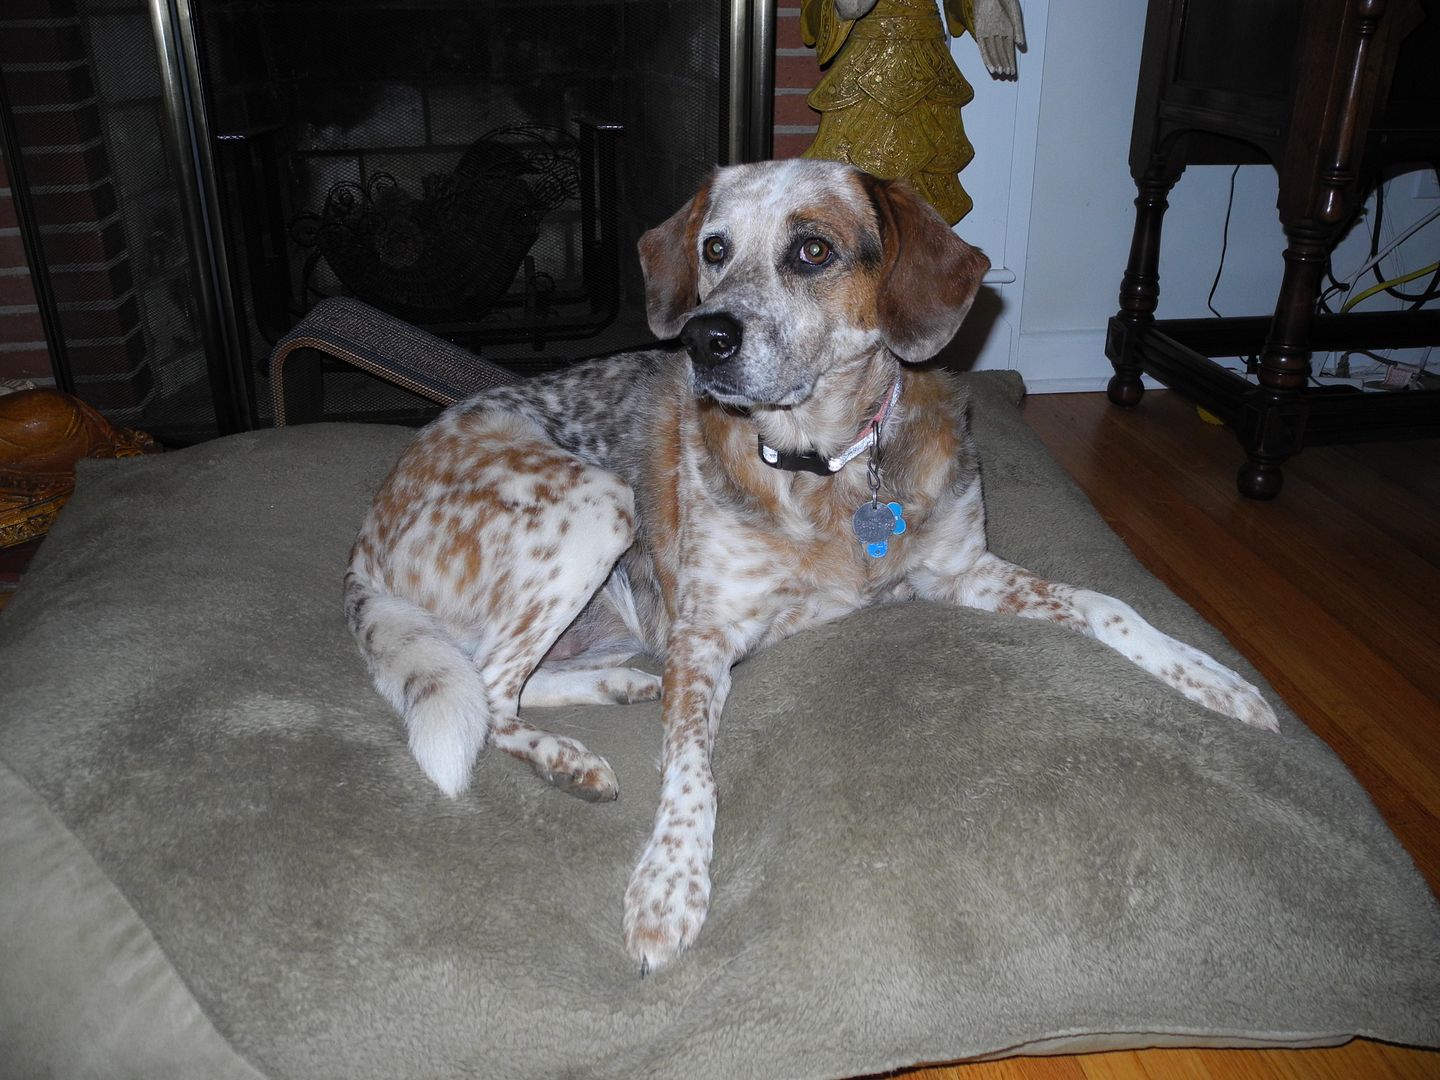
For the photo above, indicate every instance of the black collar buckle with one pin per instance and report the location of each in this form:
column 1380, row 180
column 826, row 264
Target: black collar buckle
column 791, row 461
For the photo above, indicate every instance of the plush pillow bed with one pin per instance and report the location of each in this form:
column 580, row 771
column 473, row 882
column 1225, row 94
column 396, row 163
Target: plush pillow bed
column 943, row 834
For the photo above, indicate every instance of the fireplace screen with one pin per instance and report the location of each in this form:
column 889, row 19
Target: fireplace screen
column 481, row 168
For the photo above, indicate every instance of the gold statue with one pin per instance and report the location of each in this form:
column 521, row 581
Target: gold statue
column 890, row 103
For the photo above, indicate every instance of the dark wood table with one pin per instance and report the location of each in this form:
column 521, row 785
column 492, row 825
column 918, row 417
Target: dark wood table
column 1329, row 92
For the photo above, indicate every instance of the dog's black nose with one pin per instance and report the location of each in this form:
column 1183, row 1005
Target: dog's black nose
column 711, row 339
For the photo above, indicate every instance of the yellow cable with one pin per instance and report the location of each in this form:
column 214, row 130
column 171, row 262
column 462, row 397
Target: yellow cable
column 1388, row 284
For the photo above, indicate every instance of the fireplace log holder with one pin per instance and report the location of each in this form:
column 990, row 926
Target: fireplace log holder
column 531, row 315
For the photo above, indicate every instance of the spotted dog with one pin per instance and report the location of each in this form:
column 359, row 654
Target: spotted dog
column 792, row 468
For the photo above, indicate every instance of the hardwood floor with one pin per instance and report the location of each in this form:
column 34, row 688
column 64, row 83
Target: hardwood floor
column 1332, row 591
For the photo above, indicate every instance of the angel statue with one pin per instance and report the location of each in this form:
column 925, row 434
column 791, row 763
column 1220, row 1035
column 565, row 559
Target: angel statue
column 890, row 103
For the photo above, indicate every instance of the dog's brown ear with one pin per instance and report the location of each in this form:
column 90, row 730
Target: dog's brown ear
column 928, row 275
column 668, row 260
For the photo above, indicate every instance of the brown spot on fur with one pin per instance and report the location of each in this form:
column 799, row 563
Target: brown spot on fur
column 419, row 688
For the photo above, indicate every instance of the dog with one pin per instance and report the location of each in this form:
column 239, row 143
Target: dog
column 796, row 466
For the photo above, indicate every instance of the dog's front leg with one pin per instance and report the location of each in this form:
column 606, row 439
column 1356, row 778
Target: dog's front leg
column 669, row 891
column 992, row 584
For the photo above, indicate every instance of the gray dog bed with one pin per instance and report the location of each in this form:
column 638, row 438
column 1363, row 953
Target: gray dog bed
column 943, row 834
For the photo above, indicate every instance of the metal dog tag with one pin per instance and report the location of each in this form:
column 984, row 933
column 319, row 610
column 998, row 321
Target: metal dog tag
column 874, row 523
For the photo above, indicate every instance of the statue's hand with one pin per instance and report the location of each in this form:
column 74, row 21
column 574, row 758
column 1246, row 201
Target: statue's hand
column 853, row 9
column 999, row 31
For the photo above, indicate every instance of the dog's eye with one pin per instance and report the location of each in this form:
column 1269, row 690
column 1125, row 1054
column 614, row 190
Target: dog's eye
column 815, row 252
column 714, row 249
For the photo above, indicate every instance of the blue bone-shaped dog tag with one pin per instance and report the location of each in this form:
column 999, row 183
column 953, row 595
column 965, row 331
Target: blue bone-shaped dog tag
column 875, row 523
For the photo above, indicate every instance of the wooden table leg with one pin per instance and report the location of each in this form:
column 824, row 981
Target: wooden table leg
column 1140, row 287
column 1273, row 425
column 1312, row 208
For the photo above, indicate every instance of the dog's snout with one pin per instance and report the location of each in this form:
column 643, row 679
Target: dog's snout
column 711, row 339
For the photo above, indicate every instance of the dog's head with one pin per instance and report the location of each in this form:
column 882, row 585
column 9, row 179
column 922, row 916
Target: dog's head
column 777, row 272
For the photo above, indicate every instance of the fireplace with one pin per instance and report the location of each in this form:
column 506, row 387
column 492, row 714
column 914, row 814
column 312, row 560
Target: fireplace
column 480, row 168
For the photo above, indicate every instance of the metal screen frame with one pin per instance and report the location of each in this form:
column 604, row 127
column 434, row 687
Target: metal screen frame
column 747, row 134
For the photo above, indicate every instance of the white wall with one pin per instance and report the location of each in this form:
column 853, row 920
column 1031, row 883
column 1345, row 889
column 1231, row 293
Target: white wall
column 1002, row 123
column 1054, row 203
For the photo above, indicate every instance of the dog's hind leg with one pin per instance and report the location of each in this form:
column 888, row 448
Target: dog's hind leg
column 578, row 524
column 559, row 760
column 481, row 548
column 589, row 686
column 589, row 664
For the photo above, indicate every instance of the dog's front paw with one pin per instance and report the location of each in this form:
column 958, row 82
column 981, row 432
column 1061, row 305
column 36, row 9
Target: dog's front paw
column 665, row 904
column 1197, row 675
column 1246, row 705
column 1204, row 679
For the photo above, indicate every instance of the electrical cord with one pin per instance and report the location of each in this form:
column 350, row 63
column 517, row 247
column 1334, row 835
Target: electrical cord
column 1224, row 244
column 1379, row 219
column 1386, row 286
column 1373, row 260
column 1336, row 286
column 1342, row 367
column 1322, row 302
column 1415, row 300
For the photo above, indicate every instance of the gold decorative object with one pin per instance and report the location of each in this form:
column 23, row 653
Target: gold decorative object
column 43, row 433
column 890, row 102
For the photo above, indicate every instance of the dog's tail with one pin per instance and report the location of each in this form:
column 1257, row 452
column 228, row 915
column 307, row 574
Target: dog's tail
column 422, row 671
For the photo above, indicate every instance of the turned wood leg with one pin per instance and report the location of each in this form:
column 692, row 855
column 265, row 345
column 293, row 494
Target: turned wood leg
column 1272, row 428
column 1140, row 287
column 1273, row 423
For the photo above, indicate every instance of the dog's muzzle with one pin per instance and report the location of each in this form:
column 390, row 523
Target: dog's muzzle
column 711, row 340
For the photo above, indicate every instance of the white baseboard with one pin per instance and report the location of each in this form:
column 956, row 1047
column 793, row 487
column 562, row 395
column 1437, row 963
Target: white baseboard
column 1069, row 356
column 1079, row 386
column 1065, row 362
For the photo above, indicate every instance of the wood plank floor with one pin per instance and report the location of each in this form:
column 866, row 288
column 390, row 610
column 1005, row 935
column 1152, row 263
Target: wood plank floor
column 1332, row 591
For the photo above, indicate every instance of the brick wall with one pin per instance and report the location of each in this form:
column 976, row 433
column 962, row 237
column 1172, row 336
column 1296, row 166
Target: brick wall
column 47, row 68
column 796, row 74
column 23, row 354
